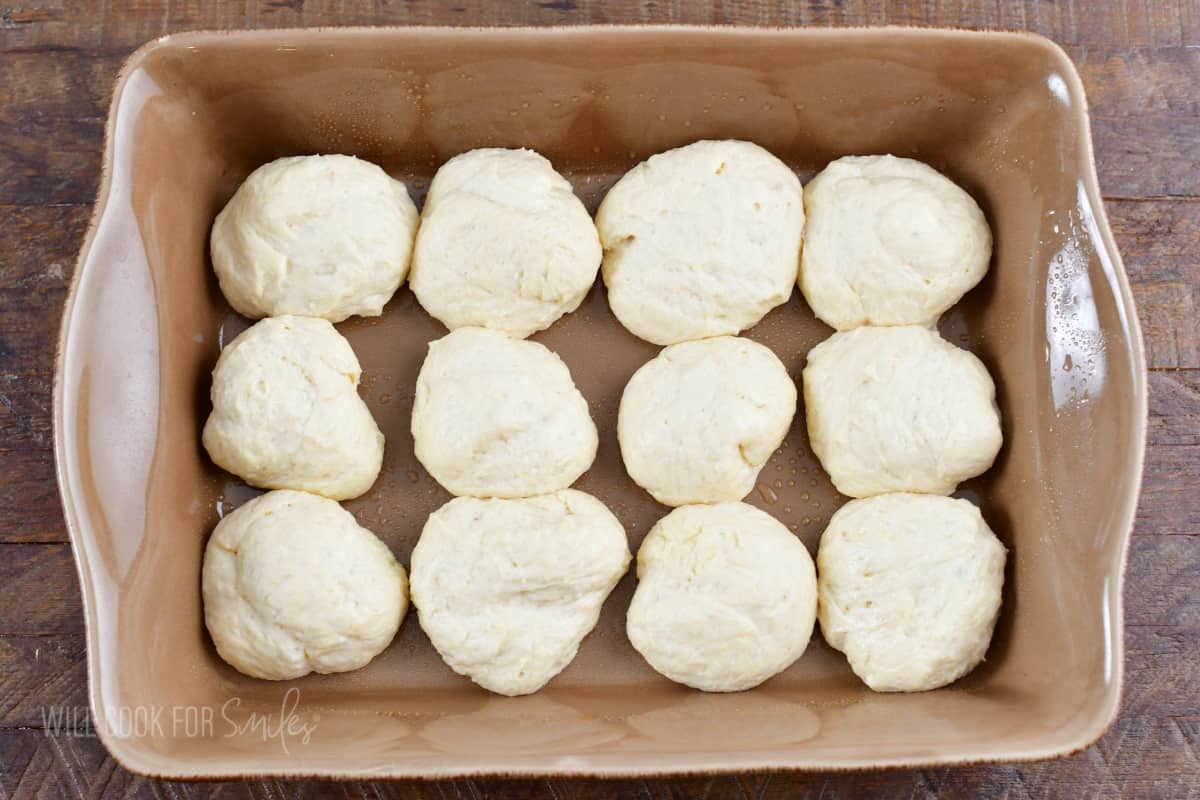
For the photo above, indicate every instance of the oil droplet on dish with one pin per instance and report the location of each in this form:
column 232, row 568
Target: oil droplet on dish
column 768, row 494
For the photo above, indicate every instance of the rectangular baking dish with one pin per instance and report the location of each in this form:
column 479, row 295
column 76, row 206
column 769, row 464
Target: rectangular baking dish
column 1003, row 114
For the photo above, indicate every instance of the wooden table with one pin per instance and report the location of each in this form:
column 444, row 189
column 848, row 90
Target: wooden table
column 1140, row 61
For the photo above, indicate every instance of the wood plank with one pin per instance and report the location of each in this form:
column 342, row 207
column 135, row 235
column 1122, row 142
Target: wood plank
column 1144, row 80
column 40, row 244
column 1170, row 502
column 1170, row 323
column 43, row 679
column 1146, row 156
column 1160, row 246
column 41, row 591
column 1145, row 118
column 53, row 104
column 30, row 512
column 1159, row 240
column 25, row 408
column 34, row 765
column 29, row 334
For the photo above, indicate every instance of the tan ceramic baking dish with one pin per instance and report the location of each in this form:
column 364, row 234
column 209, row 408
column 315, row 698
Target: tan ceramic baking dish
column 1003, row 114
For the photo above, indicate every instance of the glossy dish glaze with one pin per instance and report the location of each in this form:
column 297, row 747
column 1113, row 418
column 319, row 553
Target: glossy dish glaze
column 1002, row 114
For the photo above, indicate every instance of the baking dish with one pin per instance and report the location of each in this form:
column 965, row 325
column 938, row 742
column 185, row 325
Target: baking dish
column 1003, row 114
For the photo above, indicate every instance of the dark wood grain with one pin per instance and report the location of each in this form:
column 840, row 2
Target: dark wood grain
column 1140, row 62
column 1160, row 243
column 41, row 596
column 29, row 506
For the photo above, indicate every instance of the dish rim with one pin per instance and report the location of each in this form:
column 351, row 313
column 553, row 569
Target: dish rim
column 130, row 758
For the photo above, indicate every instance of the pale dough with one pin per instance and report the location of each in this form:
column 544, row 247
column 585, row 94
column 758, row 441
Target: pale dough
column 899, row 410
column 726, row 597
column 320, row 236
column 701, row 241
column 287, row 414
column 697, row 423
column 909, row 589
column 889, row 241
column 504, row 244
column 507, row 589
column 499, row 417
column 292, row 584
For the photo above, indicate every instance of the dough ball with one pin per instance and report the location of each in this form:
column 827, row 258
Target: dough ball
column 909, row 589
column 504, row 244
column 320, row 236
column 899, row 410
column 507, row 589
column 500, row 417
column 889, row 241
column 698, row 422
column 286, row 411
column 293, row 585
column 701, row 241
column 726, row 597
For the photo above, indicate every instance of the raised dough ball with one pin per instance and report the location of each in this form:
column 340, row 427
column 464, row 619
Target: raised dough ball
column 293, row 585
column 889, row 241
column 504, row 244
column 899, row 410
column 701, row 241
column 507, row 589
column 321, row 236
column 726, row 597
column 286, row 411
column 500, row 417
column 909, row 589
column 698, row 422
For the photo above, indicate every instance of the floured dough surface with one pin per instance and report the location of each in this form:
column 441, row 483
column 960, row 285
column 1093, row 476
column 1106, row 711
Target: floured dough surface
column 292, row 584
column 889, row 241
column 320, row 236
column 504, row 244
column 910, row 589
column 697, row 423
column 726, row 597
column 507, row 589
column 500, row 417
column 701, row 240
column 287, row 413
column 899, row 410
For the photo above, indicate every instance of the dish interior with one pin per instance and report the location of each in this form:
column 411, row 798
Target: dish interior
column 1000, row 114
